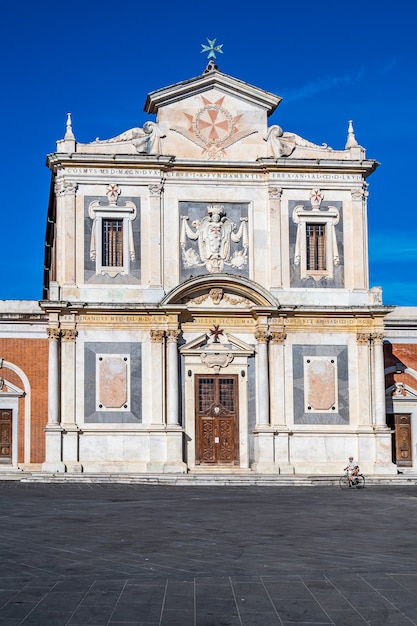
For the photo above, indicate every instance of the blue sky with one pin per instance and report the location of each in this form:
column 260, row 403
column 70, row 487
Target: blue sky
column 330, row 62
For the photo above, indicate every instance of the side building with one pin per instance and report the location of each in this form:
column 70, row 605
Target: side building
column 24, row 350
column 400, row 349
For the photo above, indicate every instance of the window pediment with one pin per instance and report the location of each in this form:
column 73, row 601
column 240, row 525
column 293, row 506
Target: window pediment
column 8, row 389
column 226, row 344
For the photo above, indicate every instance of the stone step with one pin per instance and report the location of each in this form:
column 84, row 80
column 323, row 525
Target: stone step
column 13, row 474
column 200, row 479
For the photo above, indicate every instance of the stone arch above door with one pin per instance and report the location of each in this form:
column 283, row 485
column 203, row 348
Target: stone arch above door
column 223, row 291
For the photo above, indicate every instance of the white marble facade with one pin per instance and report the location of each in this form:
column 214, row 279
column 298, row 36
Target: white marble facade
column 208, row 298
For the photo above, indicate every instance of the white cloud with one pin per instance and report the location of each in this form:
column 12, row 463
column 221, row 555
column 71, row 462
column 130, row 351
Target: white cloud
column 322, row 84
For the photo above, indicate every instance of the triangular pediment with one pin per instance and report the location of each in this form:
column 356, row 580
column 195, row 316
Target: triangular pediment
column 223, row 83
column 213, row 116
column 8, row 389
column 224, row 343
column 401, row 391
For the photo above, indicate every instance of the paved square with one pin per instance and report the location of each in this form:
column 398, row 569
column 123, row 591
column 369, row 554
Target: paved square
column 80, row 554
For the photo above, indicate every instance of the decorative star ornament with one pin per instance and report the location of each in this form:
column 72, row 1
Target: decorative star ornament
column 212, row 48
column 215, row 332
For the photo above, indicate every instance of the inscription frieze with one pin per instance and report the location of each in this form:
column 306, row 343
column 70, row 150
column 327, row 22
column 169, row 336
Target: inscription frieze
column 117, row 319
column 215, row 176
column 224, row 321
column 327, row 322
column 114, row 171
column 314, row 177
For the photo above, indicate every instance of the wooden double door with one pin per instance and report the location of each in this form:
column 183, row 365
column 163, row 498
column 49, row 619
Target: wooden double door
column 403, row 449
column 217, row 420
column 6, row 435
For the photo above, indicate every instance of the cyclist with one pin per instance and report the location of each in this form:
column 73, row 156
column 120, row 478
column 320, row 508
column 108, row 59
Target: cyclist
column 352, row 469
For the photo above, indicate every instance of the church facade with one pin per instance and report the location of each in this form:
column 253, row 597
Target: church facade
column 206, row 305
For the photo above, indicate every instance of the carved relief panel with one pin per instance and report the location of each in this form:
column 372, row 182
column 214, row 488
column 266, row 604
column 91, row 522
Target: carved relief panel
column 214, row 239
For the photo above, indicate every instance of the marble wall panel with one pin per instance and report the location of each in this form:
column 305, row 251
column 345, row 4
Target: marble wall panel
column 340, row 413
column 116, row 416
column 320, row 375
column 113, row 388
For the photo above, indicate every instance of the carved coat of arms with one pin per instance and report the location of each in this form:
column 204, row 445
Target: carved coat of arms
column 214, row 234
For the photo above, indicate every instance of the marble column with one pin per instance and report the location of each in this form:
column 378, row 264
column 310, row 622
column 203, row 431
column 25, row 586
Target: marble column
column 53, row 376
column 172, row 377
column 365, row 383
column 174, row 445
column 53, row 431
column 281, row 434
column 264, row 435
column 262, row 336
column 70, row 441
column 383, row 460
column 379, row 380
column 156, row 408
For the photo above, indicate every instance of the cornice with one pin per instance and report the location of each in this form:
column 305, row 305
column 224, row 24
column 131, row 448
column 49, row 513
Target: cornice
column 56, row 160
column 165, row 163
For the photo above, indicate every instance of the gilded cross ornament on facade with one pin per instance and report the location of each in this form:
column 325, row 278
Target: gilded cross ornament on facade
column 212, row 48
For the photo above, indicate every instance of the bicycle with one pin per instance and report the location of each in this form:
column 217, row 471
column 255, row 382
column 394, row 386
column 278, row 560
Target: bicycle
column 357, row 481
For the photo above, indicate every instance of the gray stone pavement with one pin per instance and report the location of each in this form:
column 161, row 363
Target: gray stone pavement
column 111, row 554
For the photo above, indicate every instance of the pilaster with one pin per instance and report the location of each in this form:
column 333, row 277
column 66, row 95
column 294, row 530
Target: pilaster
column 65, row 194
column 275, row 246
column 359, row 277
column 154, row 241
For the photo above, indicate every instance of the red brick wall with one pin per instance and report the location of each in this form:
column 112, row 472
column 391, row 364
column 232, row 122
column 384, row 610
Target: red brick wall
column 31, row 356
column 406, row 355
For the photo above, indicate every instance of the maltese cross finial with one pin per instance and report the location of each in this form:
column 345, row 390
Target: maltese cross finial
column 212, row 48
